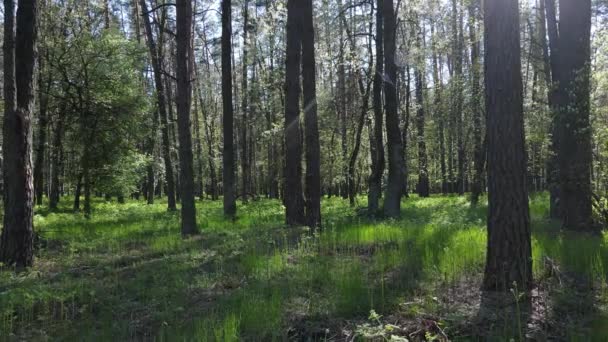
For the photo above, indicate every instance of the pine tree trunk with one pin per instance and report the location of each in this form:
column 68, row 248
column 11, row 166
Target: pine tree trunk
column 509, row 256
column 392, row 201
column 245, row 172
column 16, row 241
column 377, row 145
column 575, row 150
column 475, row 105
column 311, row 126
column 42, row 130
column 184, row 63
column 423, row 172
column 228, row 109
column 56, row 162
column 294, row 203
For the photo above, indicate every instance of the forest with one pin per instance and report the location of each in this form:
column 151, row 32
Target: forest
column 304, row 170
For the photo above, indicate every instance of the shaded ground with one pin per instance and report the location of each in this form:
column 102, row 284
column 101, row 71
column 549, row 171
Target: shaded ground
column 128, row 275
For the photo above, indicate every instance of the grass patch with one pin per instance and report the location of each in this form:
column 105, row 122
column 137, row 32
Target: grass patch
column 127, row 274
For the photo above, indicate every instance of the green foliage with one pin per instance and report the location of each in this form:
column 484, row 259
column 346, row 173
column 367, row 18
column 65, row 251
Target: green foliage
column 127, row 274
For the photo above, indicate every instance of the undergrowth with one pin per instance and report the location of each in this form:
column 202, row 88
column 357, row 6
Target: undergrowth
column 126, row 274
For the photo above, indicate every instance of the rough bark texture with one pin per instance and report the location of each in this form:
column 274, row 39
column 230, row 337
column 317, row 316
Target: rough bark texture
column 392, row 200
column 575, row 150
column 228, row 109
column 311, row 125
column 457, row 84
column 509, row 256
column 184, row 101
column 377, row 145
column 161, row 102
column 294, row 203
column 16, row 241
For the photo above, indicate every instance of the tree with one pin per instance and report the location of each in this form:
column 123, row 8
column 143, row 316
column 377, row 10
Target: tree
column 574, row 127
column 16, row 241
column 509, row 255
column 478, row 149
column 377, row 145
column 294, row 203
column 156, row 52
column 311, row 126
column 423, row 172
column 392, row 201
column 185, row 62
column 228, row 117
column 246, row 173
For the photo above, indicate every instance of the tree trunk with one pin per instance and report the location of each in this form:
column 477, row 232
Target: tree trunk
column 43, row 90
column 184, row 56
column 16, row 241
column 377, row 145
column 56, row 161
column 509, row 256
column 575, row 150
column 475, row 105
column 311, row 126
column 457, row 84
column 155, row 56
column 392, row 201
column 294, row 203
column 423, row 172
column 438, row 111
column 245, row 172
column 228, row 117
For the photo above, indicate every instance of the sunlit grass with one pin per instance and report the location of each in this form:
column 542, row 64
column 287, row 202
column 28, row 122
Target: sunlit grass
column 128, row 274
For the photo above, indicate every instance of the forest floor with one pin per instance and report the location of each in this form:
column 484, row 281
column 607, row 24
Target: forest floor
column 127, row 274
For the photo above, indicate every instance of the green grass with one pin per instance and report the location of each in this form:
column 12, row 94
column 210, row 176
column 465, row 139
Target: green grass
column 126, row 274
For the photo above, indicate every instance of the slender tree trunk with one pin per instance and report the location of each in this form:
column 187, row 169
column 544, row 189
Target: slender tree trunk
column 245, row 172
column 439, row 113
column 56, row 161
column 457, row 84
column 423, row 187
column 575, row 149
column 475, row 105
column 392, row 201
column 77, row 193
column 228, row 117
column 43, row 90
column 509, row 254
column 185, row 62
column 161, row 102
column 377, row 145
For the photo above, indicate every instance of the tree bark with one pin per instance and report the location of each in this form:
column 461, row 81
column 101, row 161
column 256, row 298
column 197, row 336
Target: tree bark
column 246, row 174
column 509, row 256
column 43, row 90
column 392, row 201
column 228, row 109
column 16, row 241
column 475, row 105
column 294, row 203
column 575, row 150
column 184, row 56
column 311, row 126
column 377, row 145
